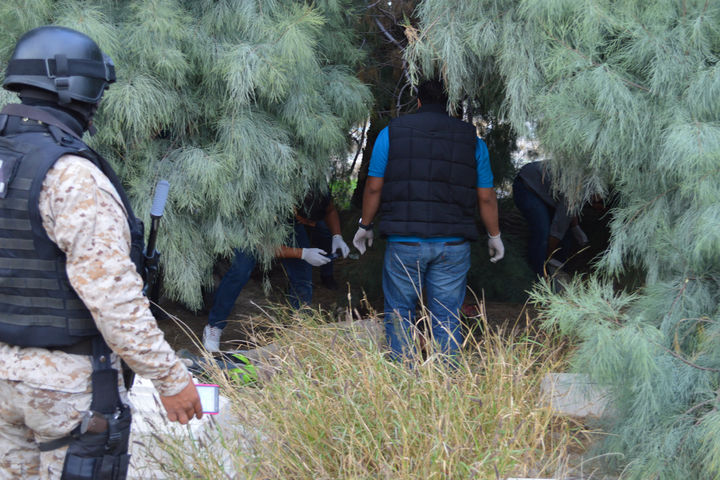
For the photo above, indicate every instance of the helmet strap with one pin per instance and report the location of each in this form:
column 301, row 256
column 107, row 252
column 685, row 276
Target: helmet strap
column 62, row 82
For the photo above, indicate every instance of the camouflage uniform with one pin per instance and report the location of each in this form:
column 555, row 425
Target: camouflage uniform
column 43, row 392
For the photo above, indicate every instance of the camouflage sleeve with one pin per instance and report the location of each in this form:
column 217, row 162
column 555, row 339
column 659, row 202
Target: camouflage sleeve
column 83, row 214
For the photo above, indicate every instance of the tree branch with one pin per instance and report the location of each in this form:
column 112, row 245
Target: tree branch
column 363, row 135
column 387, row 34
column 685, row 361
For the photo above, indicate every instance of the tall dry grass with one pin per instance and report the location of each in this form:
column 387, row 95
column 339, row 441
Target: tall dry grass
column 337, row 408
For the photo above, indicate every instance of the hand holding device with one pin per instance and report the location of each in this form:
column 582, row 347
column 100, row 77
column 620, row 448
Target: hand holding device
column 183, row 406
column 339, row 244
column 314, row 256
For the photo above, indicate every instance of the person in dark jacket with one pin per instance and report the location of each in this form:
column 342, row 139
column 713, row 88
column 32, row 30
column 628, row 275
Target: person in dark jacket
column 427, row 173
column 547, row 216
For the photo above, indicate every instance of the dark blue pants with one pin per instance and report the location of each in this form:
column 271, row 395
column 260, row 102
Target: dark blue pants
column 539, row 216
column 298, row 271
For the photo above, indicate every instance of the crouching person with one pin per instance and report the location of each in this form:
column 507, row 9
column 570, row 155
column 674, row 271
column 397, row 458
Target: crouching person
column 71, row 302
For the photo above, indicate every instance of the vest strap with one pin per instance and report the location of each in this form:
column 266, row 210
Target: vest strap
column 59, row 442
column 20, row 110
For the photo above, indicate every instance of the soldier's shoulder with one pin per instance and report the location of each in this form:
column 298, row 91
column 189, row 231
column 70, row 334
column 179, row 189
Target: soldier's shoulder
column 79, row 172
column 70, row 164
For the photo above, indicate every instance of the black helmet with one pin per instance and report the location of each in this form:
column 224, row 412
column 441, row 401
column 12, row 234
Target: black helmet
column 62, row 61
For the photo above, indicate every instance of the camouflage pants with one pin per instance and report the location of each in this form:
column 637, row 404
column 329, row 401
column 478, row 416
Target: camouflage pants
column 29, row 416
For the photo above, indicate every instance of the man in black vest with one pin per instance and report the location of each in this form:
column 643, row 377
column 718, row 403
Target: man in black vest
column 71, row 301
column 427, row 172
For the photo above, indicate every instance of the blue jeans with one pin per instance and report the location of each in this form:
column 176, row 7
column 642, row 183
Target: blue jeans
column 298, row 271
column 539, row 216
column 441, row 269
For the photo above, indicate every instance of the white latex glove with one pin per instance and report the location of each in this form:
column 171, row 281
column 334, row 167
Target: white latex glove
column 339, row 244
column 495, row 248
column 314, row 256
column 553, row 266
column 579, row 235
column 363, row 239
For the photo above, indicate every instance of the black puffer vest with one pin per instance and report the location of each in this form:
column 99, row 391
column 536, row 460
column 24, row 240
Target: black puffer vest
column 429, row 187
column 38, row 306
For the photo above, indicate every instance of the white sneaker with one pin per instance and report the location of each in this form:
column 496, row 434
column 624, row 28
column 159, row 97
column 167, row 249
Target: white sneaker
column 211, row 338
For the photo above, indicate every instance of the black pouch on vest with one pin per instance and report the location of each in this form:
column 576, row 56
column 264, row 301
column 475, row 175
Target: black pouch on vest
column 9, row 162
column 100, row 456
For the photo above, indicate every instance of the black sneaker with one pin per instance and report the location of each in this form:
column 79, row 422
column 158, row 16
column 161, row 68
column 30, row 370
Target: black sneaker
column 329, row 283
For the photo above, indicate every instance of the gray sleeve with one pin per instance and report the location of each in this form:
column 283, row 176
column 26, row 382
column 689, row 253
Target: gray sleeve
column 561, row 220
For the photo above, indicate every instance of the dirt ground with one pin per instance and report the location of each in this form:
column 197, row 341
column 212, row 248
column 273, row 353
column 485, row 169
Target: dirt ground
column 183, row 327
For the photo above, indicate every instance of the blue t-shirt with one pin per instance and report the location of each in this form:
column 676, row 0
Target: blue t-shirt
column 378, row 163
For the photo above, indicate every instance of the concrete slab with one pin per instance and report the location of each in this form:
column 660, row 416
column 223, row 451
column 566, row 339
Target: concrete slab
column 574, row 395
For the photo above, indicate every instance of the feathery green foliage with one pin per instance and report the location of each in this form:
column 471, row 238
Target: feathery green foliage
column 625, row 95
column 240, row 104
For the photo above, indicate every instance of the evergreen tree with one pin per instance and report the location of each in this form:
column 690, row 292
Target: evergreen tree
column 625, row 93
column 240, row 104
column 385, row 70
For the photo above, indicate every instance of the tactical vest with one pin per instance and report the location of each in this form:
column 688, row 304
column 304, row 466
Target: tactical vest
column 430, row 182
column 38, row 306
